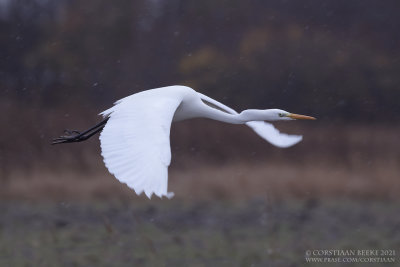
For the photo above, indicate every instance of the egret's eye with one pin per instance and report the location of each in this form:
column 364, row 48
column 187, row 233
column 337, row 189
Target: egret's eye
column 281, row 115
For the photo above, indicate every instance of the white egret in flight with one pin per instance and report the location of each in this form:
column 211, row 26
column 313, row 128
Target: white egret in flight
column 135, row 132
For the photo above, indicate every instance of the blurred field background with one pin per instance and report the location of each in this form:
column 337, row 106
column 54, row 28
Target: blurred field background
column 239, row 201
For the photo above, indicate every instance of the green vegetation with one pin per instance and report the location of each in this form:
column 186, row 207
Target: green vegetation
column 173, row 233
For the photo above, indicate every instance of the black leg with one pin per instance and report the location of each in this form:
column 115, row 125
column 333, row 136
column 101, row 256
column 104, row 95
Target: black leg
column 75, row 136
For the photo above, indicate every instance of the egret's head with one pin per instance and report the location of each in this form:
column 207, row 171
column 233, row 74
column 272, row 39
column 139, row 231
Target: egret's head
column 281, row 115
column 271, row 115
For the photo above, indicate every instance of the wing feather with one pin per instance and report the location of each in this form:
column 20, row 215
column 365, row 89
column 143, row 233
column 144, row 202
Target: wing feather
column 268, row 132
column 135, row 142
column 265, row 130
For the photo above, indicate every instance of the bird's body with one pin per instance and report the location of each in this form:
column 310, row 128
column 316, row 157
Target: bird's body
column 135, row 139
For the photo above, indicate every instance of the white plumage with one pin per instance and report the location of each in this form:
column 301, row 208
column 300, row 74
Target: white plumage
column 135, row 140
column 264, row 129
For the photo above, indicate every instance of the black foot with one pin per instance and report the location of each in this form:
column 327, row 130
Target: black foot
column 70, row 137
column 76, row 136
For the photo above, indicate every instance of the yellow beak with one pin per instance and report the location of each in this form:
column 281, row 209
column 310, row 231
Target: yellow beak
column 300, row 117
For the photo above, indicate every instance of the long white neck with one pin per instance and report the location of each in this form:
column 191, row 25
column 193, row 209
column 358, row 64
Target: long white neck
column 218, row 115
column 245, row 116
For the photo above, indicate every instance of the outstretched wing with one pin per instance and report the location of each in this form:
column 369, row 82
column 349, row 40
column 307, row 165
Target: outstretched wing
column 264, row 129
column 268, row 132
column 135, row 142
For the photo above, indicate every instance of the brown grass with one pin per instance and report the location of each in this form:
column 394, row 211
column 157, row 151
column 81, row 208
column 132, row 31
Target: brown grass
column 230, row 181
column 210, row 160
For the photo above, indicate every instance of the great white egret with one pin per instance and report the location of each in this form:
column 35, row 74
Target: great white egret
column 135, row 132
